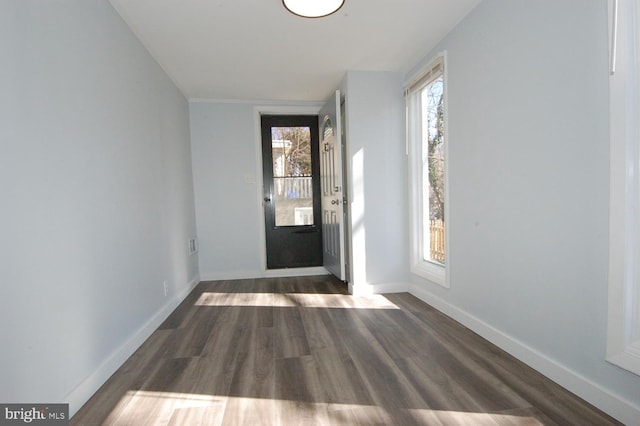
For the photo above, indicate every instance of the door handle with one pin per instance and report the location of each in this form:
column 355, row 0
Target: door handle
column 267, row 199
column 336, row 202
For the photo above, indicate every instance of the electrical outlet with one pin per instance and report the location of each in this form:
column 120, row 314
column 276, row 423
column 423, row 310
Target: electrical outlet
column 165, row 285
column 192, row 245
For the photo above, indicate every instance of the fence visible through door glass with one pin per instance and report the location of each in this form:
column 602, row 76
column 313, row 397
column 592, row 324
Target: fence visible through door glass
column 292, row 175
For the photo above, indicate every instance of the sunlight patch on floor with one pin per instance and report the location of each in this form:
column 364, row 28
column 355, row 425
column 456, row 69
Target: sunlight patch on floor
column 148, row 407
column 374, row 301
column 476, row 419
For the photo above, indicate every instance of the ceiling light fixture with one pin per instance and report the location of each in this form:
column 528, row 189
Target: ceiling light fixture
column 312, row 8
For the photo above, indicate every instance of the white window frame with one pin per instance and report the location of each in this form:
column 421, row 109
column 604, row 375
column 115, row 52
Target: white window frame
column 623, row 326
column 432, row 271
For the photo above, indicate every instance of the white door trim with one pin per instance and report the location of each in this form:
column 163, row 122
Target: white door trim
column 258, row 110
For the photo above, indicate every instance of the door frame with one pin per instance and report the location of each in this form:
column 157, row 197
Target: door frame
column 347, row 189
column 276, row 109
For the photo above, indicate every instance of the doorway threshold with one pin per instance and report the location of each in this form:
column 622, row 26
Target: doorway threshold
column 296, row 272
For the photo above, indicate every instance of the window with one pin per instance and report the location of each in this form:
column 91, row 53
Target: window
column 427, row 149
column 623, row 333
column 292, row 178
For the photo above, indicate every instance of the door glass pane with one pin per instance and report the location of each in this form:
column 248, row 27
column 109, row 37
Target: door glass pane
column 292, row 188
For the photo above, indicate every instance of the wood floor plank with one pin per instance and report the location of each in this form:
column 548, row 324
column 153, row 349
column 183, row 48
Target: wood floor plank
column 249, row 411
column 253, row 375
column 299, row 392
column 360, row 415
column 320, row 331
column 290, row 336
column 557, row 403
column 211, row 414
column 341, row 380
column 183, row 312
column 190, row 340
column 300, row 350
column 252, row 389
column 454, row 363
column 155, row 402
column 386, row 384
column 523, row 416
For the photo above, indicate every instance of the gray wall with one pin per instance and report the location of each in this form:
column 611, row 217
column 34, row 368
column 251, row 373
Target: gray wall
column 228, row 213
column 378, row 180
column 97, row 197
column 529, row 176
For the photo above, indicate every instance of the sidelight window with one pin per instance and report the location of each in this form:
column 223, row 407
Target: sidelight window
column 427, row 147
column 623, row 325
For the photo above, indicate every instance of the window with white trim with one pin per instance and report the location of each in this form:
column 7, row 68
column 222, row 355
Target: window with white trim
column 623, row 325
column 425, row 96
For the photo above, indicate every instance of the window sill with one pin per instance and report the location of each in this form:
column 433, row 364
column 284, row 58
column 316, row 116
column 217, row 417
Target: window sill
column 432, row 272
column 628, row 359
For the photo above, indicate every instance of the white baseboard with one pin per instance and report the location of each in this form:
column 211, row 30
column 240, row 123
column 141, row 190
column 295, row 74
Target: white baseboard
column 269, row 273
column 614, row 405
column 364, row 289
column 85, row 390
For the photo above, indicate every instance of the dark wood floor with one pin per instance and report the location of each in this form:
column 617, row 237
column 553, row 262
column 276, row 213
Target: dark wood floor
column 291, row 351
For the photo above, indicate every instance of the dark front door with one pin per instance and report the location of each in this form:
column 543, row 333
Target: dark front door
column 291, row 176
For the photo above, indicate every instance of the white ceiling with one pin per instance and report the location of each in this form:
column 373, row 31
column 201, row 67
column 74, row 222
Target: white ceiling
column 256, row 50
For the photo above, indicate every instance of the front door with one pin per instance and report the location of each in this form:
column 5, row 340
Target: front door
column 291, row 176
column 333, row 190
